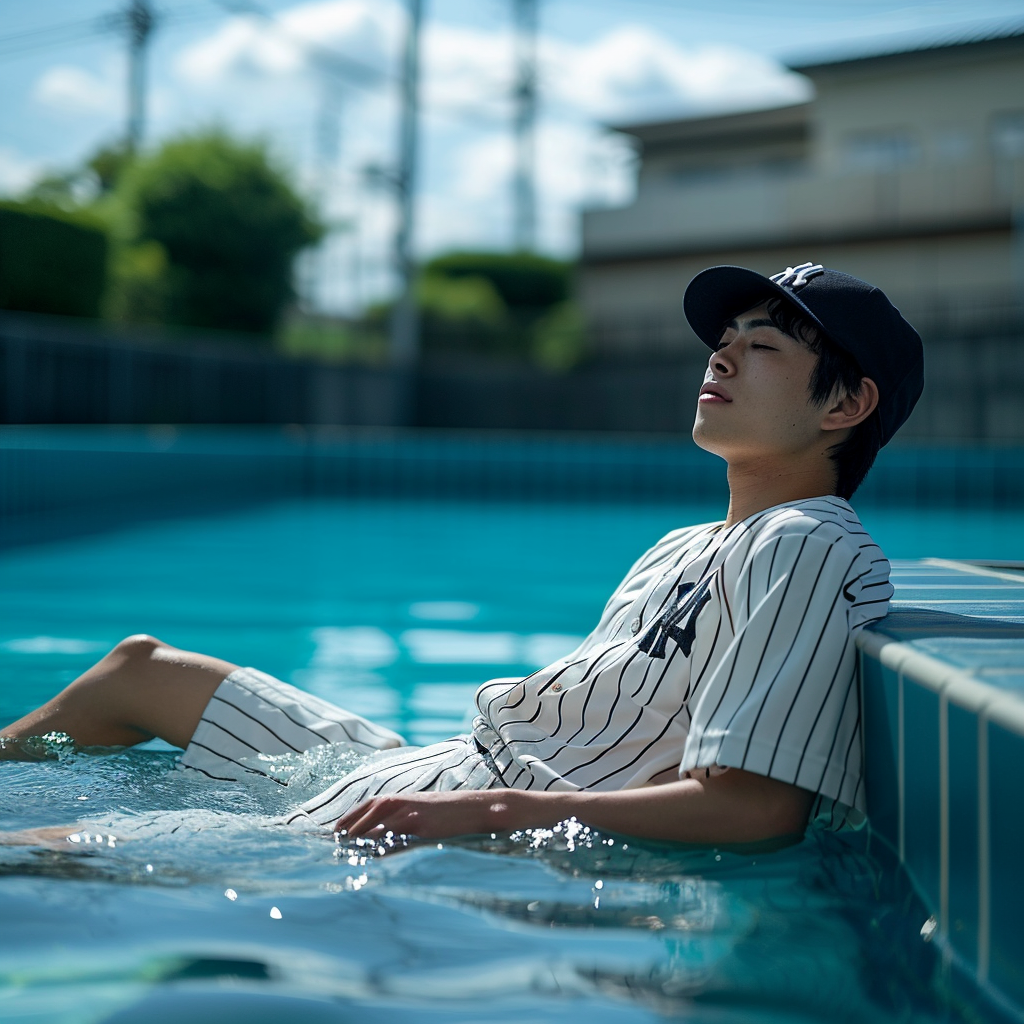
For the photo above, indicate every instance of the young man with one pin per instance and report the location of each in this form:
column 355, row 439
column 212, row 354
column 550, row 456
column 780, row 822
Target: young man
column 715, row 701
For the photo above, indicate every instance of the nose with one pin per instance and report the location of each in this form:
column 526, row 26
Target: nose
column 721, row 362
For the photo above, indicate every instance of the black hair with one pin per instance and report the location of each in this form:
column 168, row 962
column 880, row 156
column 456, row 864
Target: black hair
column 835, row 370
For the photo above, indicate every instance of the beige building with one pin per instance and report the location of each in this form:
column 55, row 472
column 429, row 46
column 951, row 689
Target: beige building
column 906, row 169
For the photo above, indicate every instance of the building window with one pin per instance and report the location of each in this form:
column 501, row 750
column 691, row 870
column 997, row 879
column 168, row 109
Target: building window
column 1008, row 134
column 953, row 144
column 755, row 170
column 881, row 150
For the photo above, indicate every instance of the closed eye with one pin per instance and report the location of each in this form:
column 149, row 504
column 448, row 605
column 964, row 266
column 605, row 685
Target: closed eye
column 767, row 348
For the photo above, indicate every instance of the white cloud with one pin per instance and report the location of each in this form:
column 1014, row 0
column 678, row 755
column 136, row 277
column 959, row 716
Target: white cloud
column 16, row 171
column 576, row 166
column 262, row 76
column 633, row 72
column 628, row 74
column 292, row 43
column 242, row 46
column 73, row 90
column 465, row 68
column 629, row 71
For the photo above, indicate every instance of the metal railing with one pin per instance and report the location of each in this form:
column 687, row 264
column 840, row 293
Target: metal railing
column 640, row 376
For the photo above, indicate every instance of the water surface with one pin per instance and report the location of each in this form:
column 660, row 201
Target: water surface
column 186, row 901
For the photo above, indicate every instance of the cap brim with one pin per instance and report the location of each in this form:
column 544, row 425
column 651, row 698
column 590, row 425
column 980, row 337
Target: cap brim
column 718, row 294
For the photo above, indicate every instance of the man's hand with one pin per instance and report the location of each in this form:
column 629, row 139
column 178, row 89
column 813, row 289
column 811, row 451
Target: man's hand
column 457, row 813
column 734, row 807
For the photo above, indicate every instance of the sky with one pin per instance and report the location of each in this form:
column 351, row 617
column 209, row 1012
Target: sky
column 331, row 121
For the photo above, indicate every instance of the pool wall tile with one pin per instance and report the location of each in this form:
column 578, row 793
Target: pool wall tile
column 1006, row 873
column 921, row 809
column 881, row 744
column 963, row 830
column 961, row 833
column 58, row 466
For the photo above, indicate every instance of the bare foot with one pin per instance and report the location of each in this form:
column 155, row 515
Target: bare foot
column 35, row 748
column 57, row 837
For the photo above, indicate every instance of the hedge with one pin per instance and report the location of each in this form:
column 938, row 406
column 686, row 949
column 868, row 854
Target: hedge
column 50, row 261
column 523, row 280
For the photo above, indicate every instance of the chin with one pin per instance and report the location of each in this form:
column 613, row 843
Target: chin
column 704, row 438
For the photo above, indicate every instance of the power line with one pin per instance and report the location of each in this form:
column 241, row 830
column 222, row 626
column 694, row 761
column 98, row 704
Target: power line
column 15, row 44
column 57, row 35
column 48, row 31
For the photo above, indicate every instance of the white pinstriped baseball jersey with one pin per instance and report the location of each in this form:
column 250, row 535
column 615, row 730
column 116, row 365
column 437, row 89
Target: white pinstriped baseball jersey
column 722, row 648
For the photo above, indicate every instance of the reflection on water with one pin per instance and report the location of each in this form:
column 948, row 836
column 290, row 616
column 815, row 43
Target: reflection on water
column 203, row 908
column 202, row 889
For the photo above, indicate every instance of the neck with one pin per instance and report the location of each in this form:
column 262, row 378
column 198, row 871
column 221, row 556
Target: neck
column 755, row 486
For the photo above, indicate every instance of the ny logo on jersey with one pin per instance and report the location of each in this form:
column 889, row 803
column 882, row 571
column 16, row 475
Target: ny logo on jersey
column 794, row 278
column 690, row 598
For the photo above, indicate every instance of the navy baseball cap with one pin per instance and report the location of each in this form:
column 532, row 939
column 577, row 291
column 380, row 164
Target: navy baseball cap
column 856, row 316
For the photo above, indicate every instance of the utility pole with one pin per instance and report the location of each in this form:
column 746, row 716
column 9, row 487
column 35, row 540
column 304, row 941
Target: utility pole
column 315, row 263
column 404, row 318
column 524, row 198
column 140, row 21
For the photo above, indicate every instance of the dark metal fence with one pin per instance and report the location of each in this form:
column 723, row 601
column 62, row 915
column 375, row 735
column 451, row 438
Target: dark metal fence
column 63, row 371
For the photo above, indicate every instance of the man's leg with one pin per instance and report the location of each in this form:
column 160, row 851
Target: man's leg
column 141, row 689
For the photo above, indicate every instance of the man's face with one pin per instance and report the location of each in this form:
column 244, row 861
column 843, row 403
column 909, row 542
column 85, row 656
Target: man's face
column 755, row 402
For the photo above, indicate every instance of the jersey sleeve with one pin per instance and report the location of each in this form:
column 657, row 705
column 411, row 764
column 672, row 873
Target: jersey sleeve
column 778, row 696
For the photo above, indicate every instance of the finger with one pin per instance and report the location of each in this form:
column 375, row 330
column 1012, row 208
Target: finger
column 372, row 818
column 349, row 818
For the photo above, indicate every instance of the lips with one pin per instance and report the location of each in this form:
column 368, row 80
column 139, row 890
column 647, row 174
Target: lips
column 712, row 392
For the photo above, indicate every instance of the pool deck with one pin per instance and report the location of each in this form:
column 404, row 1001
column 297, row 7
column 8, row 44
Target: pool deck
column 943, row 693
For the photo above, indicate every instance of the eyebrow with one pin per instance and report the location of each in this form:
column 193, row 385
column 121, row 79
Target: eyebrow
column 758, row 322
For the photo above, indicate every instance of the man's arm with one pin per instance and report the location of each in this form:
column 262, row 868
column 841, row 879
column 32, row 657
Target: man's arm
column 734, row 807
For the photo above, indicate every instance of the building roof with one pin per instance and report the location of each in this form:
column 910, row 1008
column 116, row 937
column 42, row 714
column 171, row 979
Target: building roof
column 867, row 53
column 770, row 123
column 791, row 121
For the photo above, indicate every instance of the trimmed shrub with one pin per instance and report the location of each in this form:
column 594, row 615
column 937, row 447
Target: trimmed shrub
column 51, row 261
column 524, row 281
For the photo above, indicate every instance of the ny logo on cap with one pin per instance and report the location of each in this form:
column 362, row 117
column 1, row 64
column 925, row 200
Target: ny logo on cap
column 794, row 278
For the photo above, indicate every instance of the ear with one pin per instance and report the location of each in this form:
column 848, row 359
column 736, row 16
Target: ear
column 852, row 408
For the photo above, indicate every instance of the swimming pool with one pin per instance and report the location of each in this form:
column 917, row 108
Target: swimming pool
column 397, row 609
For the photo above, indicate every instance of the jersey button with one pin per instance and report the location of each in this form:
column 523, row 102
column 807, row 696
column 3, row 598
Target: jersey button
column 634, row 627
column 556, row 687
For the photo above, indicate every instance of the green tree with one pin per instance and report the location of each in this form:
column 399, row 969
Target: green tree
column 107, row 165
column 228, row 224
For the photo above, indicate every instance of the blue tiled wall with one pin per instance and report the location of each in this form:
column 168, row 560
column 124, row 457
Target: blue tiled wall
column 963, row 830
column 952, row 652
column 1006, row 859
column 48, row 468
column 881, row 725
column 921, row 788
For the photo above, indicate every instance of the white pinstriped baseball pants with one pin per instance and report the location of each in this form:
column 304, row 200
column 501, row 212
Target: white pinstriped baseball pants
column 253, row 713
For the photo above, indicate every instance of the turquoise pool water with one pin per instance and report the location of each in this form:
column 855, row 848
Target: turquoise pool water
column 398, row 610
